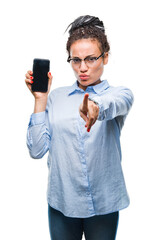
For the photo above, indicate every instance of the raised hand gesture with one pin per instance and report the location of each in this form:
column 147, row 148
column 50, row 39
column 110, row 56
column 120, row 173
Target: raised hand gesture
column 40, row 98
column 88, row 111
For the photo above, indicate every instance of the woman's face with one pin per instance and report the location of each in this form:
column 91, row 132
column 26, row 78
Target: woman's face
column 87, row 74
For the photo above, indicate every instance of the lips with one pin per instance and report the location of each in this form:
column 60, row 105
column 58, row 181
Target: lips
column 84, row 76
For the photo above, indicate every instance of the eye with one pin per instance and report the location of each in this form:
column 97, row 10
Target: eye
column 76, row 60
column 90, row 59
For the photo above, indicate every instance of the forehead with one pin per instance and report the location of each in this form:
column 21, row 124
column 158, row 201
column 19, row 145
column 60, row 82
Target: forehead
column 85, row 47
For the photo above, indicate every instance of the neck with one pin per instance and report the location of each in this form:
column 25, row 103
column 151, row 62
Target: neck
column 85, row 87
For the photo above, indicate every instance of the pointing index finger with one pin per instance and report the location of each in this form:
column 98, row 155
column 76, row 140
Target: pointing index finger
column 85, row 100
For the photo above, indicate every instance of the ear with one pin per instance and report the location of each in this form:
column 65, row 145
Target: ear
column 105, row 58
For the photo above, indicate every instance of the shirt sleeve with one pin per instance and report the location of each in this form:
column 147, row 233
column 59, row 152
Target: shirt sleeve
column 114, row 103
column 38, row 134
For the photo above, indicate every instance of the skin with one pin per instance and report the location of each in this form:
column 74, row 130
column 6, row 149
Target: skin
column 81, row 48
column 40, row 98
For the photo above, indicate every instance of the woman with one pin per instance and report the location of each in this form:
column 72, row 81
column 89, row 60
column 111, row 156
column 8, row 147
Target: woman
column 80, row 127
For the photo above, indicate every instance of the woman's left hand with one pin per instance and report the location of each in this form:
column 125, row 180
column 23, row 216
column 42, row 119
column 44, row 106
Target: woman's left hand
column 88, row 111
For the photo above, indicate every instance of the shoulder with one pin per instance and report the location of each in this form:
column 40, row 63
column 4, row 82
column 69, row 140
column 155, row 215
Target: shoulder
column 115, row 92
column 119, row 89
column 105, row 87
column 58, row 92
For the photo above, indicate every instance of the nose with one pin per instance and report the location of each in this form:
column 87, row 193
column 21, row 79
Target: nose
column 83, row 67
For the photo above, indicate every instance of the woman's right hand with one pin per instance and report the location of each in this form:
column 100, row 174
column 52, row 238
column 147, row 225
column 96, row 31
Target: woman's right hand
column 40, row 97
column 30, row 79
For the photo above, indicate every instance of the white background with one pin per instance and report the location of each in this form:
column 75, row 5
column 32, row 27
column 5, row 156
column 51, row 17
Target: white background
column 32, row 29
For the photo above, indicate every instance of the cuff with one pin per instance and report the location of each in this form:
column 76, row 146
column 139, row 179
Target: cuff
column 37, row 118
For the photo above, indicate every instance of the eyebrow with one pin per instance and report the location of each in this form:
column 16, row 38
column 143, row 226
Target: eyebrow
column 85, row 57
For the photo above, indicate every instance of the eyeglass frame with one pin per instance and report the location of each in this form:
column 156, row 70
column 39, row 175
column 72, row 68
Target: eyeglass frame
column 96, row 58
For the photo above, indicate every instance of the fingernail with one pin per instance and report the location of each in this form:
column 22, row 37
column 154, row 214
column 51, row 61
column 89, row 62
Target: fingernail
column 31, row 81
column 86, row 125
column 50, row 73
column 31, row 77
column 88, row 130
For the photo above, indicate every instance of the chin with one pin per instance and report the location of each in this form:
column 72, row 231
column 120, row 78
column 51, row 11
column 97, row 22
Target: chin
column 85, row 82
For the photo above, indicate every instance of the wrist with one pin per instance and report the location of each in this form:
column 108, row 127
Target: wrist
column 40, row 104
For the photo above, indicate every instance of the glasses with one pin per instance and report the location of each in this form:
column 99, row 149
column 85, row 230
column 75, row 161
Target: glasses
column 89, row 61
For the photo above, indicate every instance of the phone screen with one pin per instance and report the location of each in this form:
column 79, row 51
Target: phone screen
column 41, row 68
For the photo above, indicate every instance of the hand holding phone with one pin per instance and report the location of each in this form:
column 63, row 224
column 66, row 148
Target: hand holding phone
column 41, row 68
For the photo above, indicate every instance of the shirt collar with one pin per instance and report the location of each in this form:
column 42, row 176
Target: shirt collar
column 98, row 88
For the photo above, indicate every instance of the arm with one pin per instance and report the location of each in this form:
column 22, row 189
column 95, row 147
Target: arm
column 114, row 103
column 38, row 136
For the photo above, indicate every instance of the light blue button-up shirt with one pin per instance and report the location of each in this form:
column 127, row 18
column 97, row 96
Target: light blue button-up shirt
column 85, row 172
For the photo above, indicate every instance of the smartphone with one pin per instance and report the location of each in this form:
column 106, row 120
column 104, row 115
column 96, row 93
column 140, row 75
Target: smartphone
column 41, row 68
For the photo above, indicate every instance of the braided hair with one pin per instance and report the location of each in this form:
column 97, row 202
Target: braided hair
column 87, row 27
